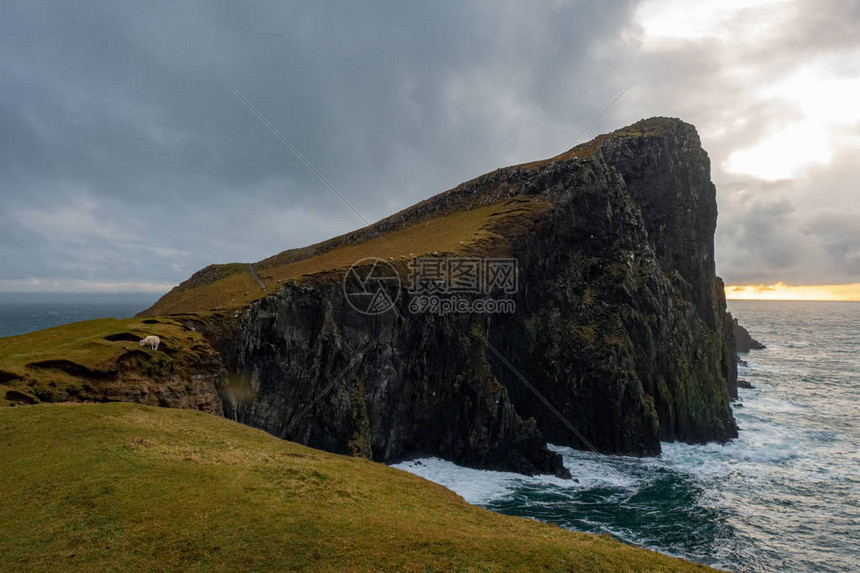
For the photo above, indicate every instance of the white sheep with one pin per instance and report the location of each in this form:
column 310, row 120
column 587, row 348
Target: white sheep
column 151, row 341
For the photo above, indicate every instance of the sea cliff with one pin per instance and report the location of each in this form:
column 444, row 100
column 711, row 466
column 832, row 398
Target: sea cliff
column 620, row 324
column 620, row 338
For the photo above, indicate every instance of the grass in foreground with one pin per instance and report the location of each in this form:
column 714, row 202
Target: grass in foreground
column 131, row 487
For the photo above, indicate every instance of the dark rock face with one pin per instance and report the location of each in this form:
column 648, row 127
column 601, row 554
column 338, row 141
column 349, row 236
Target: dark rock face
column 623, row 322
column 417, row 384
column 621, row 325
column 744, row 342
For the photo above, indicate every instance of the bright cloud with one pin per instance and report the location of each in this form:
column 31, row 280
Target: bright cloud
column 785, row 154
column 828, row 104
column 670, row 20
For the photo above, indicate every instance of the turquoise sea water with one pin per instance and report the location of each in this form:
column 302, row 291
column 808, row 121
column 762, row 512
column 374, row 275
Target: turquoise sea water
column 784, row 496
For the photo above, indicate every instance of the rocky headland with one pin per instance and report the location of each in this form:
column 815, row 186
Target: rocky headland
column 620, row 325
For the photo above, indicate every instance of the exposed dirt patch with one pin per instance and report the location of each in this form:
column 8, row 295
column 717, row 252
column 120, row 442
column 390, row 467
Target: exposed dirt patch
column 166, row 348
column 72, row 368
column 123, row 337
column 21, row 397
column 8, row 376
column 132, row 360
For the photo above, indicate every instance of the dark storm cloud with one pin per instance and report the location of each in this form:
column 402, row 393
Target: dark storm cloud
column 125, row 157
column 756, row 236
column 840, row 233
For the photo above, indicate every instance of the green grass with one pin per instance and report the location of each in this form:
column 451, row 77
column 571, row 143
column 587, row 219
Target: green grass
column 226, row 287
column 87, row 352
column 234, row 287
column 129, row 487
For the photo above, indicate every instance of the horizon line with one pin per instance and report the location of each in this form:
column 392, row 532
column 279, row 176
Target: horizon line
column 847, row 292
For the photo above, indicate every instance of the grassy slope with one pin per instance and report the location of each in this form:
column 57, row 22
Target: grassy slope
column 234, row 287
column 452, row 233
column 84, row 344
column 125, row 486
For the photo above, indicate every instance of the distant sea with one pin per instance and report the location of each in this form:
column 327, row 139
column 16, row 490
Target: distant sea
column 26, row 312
column 784, row 496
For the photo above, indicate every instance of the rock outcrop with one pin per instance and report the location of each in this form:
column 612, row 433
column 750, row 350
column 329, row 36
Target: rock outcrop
column 743, row 340
column 620, row 337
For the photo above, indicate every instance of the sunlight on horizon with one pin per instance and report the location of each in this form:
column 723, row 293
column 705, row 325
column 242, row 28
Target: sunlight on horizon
column 782, row 291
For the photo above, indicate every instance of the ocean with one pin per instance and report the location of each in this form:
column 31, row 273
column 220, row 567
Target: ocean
column 784, row 496
column 25, row 312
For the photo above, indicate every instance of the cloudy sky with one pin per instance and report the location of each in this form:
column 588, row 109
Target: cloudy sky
column 127, row 163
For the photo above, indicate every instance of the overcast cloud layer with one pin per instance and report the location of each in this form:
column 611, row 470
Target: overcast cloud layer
column 126, row 160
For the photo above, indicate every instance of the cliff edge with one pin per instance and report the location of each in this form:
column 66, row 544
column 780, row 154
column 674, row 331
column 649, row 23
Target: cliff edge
column 620, row 321
column 618, row 339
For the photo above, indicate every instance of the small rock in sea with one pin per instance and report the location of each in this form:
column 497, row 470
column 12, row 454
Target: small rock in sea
column 743, row 363
column 745, row 384
column 743, row 340
column 739, row 405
